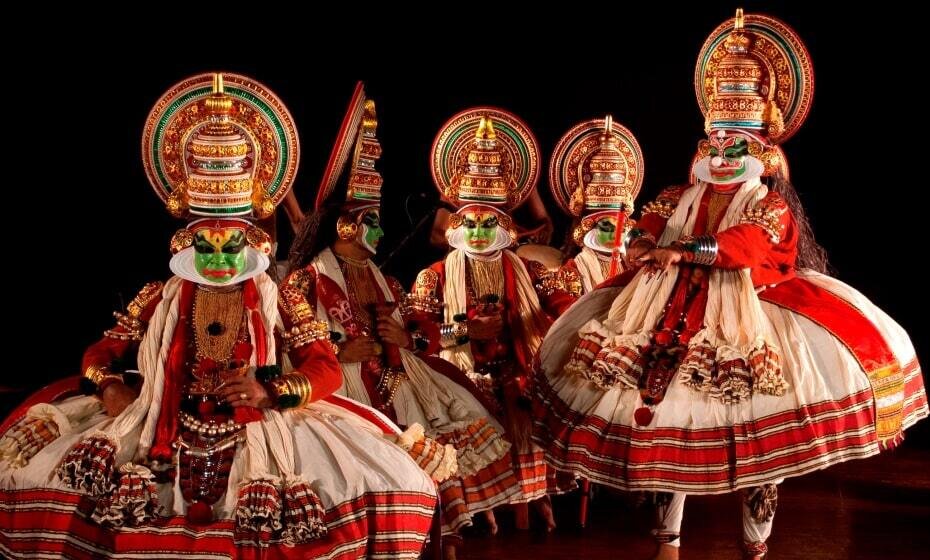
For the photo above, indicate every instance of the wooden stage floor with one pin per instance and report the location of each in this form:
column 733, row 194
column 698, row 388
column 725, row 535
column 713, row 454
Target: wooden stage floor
column 877, row 508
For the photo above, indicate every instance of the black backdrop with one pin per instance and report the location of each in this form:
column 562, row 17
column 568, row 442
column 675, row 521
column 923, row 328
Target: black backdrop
column 100, row 232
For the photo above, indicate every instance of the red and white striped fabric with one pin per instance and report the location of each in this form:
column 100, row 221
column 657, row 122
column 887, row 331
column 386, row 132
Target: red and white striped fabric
column 54, row 523
column 378, row 503
column 700, row 445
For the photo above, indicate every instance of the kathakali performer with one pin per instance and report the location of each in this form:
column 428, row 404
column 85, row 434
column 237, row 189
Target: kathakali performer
column 209, row 422
column 595, row 173
column 493, row 306
column 730, row 361
column 386, row 346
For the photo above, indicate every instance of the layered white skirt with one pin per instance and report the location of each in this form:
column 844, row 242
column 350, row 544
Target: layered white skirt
column 696, row 443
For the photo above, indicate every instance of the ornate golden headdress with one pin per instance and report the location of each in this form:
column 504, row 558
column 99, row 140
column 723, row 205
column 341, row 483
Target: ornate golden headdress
column 754, row 73
column 597, row 165
column 483, row 180
column 487, row 156
column 220, row 145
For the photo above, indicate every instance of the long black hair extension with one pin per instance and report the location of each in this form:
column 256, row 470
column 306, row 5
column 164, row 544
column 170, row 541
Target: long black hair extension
column 811, row 255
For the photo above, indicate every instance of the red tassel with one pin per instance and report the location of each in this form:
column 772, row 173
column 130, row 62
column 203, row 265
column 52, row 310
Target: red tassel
column 246, row 414
column 162, row 453
column 615, row 257
column 199, row 513
column 643, row 416
column 663, row 338
column 250, row 299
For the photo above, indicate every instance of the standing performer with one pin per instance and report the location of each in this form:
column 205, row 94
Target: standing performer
column 486, row 161
column 596, row 171
column 209, row 428
column 385, row 345
column 730, row 361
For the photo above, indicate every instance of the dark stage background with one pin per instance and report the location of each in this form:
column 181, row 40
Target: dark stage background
column 99, row 232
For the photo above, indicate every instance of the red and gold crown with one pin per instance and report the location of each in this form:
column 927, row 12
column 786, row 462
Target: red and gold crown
column 486, row 156
column 596, row 166
column 220, row 145
column 365, row 181
column 483, row 179
column 356, row 140
column 754, row 73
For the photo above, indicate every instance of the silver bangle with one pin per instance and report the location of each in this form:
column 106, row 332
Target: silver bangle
column 704, row 249
column 451, row 333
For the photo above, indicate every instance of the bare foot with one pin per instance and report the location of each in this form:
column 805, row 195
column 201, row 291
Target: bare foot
column 666, row 552
column 448, row 552
column 544, row 508
column 492, row 521
column 521, row 516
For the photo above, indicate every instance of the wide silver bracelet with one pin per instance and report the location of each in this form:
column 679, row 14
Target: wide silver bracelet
column 453, row 334
column 703, row 248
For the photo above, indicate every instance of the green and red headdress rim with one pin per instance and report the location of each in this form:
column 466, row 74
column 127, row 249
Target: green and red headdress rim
column 455, row 138
column 579, row 143
column 256, row 237
column 775, row 161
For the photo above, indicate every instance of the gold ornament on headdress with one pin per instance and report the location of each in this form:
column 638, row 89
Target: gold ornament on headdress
column 743, row 88
column 258, row 239
column 485, row 174
column 219, row 181
column 604, row 183
column 182, row 239
column 346, row 228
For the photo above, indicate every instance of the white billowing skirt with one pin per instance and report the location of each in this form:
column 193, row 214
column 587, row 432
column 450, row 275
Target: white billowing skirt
column 377, row 500
column 698, row 444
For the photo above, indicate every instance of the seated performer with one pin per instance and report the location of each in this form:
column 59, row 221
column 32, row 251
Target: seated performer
column 730, row 361
column 596, row 170
column 384, row 345
column 485, row 296
column 225, row 441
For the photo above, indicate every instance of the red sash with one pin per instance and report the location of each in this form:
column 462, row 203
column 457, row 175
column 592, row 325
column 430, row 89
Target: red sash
column 337, row 306
column 166, row 429
column 864, row 341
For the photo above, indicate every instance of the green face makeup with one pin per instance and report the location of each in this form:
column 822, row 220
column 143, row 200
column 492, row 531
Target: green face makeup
column 480, row 229
column 218, row 254
column 728, row 156
column 371, row 232
column 606, row 231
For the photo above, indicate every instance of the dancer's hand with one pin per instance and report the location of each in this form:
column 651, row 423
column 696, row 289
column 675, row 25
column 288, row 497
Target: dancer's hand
column 359, row 349
column 246, row 391
column 485, row 327
column 393, row 332
column 116, row 397
column 636, row 251
column 660, row 258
